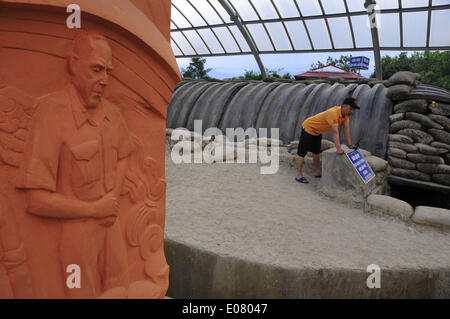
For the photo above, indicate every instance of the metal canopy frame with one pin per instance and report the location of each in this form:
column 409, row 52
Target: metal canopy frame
column 242, row 25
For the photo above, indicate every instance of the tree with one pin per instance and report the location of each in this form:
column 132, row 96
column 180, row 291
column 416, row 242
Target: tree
column 252, row 75
column 342, row 62
column 196, row 69
column 433, row 66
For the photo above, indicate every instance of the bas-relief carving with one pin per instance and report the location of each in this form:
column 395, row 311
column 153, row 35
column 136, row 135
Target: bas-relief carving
column 82, row 168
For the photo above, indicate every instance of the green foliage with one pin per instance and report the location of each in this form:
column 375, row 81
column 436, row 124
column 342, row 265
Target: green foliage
column 433, row 66
column 196, row 69
column 252, row 75
column 342, row 62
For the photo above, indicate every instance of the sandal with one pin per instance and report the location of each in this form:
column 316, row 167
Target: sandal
column 302, row 180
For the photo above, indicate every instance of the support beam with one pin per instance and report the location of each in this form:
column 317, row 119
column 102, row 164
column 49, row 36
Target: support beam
column 372, row 16
column 234, row 16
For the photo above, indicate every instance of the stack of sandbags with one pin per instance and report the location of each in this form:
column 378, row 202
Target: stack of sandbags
column 419, row 141
column 402, row 82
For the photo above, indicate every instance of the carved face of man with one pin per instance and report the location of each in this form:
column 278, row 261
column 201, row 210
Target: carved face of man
column 90, row 70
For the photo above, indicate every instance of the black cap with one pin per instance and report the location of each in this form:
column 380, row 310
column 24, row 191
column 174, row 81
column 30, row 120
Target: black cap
column 352, row 102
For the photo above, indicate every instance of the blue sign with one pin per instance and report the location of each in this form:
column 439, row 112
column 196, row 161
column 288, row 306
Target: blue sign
column 359, row 62
column 361, row 166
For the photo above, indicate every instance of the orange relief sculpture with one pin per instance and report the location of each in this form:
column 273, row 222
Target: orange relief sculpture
column 82, row 211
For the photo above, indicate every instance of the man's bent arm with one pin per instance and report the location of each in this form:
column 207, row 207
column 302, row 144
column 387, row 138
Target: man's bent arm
column 347, row 134
column 336, row 140
column 47, row 204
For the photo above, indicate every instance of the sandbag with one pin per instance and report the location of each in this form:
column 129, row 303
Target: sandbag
column 430, row 150
column 418, row 136
column 404, row 77
column 399, row 125
column 429, row 168
column 421, row 158
column 396, row 89
column 400, row 138
column 396, row 117
column 396, row 152
column 414, row 105
column 411, row 174
column 440, row 135
column 326, row 145
column 439, row 108
column 440, row 145
column 401, row 163
column 443, row 179
column 442, row 120
column 423, row 119
column 409, row 148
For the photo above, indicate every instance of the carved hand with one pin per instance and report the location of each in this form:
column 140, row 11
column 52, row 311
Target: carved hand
column 107, row 206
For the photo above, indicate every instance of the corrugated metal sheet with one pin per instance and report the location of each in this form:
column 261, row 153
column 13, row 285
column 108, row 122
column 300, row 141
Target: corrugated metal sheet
column 280, row 105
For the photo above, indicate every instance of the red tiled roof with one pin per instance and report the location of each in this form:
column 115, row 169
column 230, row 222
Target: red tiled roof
column 323, row 75
column 315, row 74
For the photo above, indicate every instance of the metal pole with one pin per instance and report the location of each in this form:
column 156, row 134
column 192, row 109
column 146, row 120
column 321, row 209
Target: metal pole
column 234, row 16
column 370, row 7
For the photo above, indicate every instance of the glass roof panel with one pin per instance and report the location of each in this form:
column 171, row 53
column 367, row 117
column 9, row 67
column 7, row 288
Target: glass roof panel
column 440, row 2
column 279, row 36
column 440, row 28
column 389, row 30
column 224, row 15
column 227, row 39
column 340, row 31
column 196, row 41
column 298, row 35
column 244, row 9
column 415, row 29
column 265, row 9
column 309, row 7
column 286, row 8
column 333, row 6
column 209, row 38
column 178, row 19
column 387, row 4
column 207, row 11
column 189, row 12
column 175, row 49
column 363, row 36
column 414, row 3
column 182, row 43
column 319, row 34
column 240, row 39
column 260, row 36
column 355, row 5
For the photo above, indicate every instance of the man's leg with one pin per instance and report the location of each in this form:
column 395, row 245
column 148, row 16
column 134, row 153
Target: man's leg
column 300, row 167
column 303, row 147
column 317, row 167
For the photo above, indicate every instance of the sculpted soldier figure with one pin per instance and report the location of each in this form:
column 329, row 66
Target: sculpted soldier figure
column 75, row 164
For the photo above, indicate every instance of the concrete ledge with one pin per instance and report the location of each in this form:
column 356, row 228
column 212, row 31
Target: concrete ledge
column 432, row 216
column 198, row 273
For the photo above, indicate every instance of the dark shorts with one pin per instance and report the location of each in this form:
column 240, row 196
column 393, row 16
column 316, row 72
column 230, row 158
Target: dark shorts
column 309, row 143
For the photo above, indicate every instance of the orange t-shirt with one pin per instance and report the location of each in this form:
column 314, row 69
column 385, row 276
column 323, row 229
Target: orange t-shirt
column 322, row 122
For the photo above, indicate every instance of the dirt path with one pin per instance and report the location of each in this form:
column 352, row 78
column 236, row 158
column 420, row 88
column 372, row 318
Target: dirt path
column 233, row 210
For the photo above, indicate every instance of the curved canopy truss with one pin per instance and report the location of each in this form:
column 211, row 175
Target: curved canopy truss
column 237, row 27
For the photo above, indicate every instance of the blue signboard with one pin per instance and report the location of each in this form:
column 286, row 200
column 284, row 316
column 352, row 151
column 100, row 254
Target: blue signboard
column 361, row 165
column 359, row 62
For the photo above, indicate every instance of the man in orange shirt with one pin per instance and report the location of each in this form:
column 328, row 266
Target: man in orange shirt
column 313, row 128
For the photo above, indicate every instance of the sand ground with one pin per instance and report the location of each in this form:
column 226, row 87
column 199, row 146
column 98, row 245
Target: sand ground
column 233, row 210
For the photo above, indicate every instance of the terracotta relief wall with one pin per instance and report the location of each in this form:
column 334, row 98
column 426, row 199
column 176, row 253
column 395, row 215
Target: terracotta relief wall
column 82, row 134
